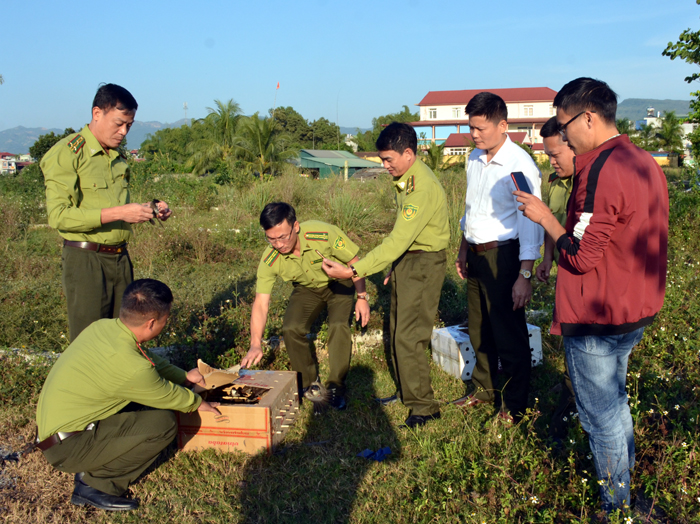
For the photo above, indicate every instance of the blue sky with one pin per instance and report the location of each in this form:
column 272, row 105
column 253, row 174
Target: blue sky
column 354, row 59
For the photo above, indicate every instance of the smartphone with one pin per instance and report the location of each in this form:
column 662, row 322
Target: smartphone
column 520, row 182
column 319, row 253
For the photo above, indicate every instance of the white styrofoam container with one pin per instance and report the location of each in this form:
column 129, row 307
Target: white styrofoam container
column 453, row 351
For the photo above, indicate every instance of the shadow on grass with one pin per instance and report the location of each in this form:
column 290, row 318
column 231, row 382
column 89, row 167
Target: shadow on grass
column 316, row 480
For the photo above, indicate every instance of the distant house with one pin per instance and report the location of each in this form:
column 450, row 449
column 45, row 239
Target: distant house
column 8, row 164
column 654, row 119
column 325, row 163
column 442, row 113
column 460, row 143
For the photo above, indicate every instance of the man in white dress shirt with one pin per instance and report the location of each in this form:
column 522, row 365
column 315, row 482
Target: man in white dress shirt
column 498, row 251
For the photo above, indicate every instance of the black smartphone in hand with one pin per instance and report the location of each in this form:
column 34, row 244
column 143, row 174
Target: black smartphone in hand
column 520, row 182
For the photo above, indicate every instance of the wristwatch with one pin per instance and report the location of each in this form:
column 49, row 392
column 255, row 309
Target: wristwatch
column 363, row 296
column 527, row 274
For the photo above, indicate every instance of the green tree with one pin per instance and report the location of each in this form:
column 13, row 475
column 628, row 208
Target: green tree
column 670, row 134
column 2, row 80
column 325, row 134
column 218, row 146
column 434, row 157
column 261, row 147
column 46, row 142
column 295, row 126
column 646, row 138
column 688, row 49
column 173, row 143
column 624, row 126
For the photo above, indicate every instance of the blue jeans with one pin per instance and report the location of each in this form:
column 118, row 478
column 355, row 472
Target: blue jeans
column 598, row 369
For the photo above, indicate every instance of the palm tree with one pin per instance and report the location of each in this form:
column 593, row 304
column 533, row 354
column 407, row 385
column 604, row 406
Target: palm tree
column 670, row 134
column 261, row 147
column 624, row 126
column 221, row 140
column 434, row 156
column 646, row 138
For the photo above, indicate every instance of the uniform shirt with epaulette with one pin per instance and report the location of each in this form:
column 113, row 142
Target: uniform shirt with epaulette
column 100, row 373
column 81, row 179
column 306, row 269
column 422, row 223
column 559, row 193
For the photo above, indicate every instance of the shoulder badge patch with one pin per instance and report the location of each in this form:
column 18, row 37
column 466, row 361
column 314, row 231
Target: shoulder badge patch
column 339, row 243
column 409, row 211
column 411, row 185
column 272, row 257
column 320, row 236
column 76, row 144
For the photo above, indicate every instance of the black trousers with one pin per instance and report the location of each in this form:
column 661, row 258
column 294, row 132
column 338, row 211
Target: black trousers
column 496, row 331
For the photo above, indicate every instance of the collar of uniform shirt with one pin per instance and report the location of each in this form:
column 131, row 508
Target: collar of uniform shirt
column 400, row 184
column 499, row 154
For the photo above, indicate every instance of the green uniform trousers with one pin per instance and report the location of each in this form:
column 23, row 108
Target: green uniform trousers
column 117, row 450
column 416, row 280
column 93, row 284
column 496, row 331
column 305, row 305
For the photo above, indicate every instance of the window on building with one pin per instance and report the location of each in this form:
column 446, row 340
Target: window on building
column 432, row 113
column 528, row 110
column 551, row 110
column 458, row 151
column 456, row 111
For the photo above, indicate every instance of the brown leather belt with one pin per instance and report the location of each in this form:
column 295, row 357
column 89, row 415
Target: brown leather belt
column 480, row 248
column 94, row 246
column 59, row 437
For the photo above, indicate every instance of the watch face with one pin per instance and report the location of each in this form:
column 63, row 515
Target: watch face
column 525, row 273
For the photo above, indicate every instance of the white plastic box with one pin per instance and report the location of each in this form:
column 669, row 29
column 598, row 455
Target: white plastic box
column 453, row 351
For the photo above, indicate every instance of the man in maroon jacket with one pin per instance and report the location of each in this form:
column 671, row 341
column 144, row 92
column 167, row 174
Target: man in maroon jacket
column 612, row 271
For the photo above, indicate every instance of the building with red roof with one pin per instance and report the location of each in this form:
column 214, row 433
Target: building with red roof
column 442, row 113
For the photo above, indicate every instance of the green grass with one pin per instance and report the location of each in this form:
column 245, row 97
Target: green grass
column 463, row 468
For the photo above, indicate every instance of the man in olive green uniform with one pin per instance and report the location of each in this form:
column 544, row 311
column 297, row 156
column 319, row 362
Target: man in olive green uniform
column 81, row 417
column 561, row 181
column 87, row 201
column 294, row 256
column 416, row 251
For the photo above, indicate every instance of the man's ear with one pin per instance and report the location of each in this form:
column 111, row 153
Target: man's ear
column 503, row 126
column 97, row 113
column 151, row 322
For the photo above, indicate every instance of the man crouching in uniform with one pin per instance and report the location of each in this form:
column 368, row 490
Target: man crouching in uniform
column 296, row 254
column 81, row 416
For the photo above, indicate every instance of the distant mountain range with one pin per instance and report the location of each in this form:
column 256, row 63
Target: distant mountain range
column 636, row 108
column 19, row 139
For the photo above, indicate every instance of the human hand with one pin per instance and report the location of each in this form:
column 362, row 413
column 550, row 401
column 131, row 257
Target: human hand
column 210, row 407
column 388, row 277
column 461, row 265
column 164, row 211
column 522, row 292
column 135, row 213
column 532, row 207
column 195, row 377
column 254, row 355
column 362, row 311
column 543, row 270
column 335, row 270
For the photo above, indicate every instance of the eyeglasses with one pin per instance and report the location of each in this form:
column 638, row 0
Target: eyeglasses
column 562, row 127
column 277, row 240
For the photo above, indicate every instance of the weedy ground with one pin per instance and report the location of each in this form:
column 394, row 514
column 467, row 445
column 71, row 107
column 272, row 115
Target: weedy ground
column 466, row 467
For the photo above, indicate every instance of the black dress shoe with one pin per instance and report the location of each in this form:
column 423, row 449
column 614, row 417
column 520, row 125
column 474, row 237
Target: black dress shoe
column 415, row 421
column 86, row 495
column 387, row 400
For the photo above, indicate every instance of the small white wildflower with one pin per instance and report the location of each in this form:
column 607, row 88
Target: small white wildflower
column 684, row 445
column 499, row 435
column 584, row 481
column 665, row 412
column 676, row 407
column 684, row 491
column 534, row 500
column 601, row 483
column 621, row 484
column 571, row 440
column 564, row 419
column 651, row 411
column 589, row 456
column 663, row 328
column 449, row 490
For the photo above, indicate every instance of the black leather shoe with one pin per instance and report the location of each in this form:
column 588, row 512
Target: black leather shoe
column 387, row 400
column 86, row 495
column 415, row 421
column 336, row 398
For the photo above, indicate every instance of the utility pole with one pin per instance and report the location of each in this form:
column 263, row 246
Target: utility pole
column 184, row 106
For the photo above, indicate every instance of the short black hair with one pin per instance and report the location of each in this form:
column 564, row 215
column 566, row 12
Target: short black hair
column 109, row 96
column 275, row 213
column 143, row 300
column 588, row 94
column 397, row 137
column 490, row 106
column 550, row 128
